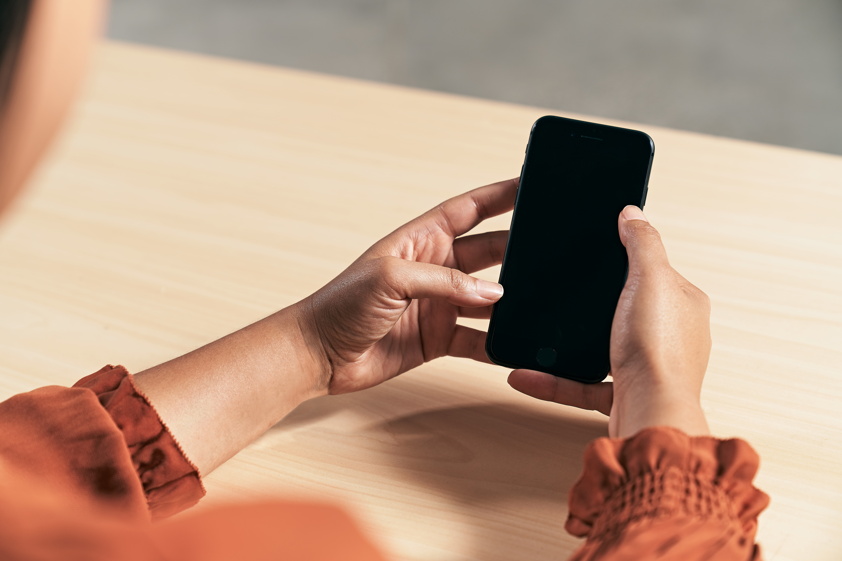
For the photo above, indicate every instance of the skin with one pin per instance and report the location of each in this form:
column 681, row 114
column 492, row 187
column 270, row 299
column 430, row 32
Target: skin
column 53, row 57
column 391, row 310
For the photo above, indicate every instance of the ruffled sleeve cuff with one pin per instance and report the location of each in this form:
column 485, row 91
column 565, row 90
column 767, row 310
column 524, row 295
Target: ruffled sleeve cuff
column 170, row 481
column 659, row 474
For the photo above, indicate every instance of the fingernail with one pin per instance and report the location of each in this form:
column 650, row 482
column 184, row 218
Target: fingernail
column 489, row 290
column 631, row 212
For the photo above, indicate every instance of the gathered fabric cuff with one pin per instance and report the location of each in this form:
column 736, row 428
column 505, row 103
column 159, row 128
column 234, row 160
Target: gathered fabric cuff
column 662, row 473
column 170, row 481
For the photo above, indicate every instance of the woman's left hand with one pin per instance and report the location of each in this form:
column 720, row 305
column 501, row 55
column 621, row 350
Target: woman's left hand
column 396, row 306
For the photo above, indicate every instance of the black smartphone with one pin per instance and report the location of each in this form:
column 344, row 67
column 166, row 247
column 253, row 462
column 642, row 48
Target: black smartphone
column 565, row 266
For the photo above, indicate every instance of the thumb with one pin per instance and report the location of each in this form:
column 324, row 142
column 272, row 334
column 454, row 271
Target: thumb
column 411, row 279
column 642, row 241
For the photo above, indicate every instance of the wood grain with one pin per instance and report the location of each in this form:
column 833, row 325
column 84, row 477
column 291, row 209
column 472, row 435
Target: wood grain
column 190, row 196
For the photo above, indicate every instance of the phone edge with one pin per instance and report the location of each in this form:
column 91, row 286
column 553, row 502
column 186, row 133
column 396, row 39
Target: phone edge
column 489, row 335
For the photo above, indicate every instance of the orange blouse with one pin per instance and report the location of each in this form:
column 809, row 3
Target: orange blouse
column 84, row 470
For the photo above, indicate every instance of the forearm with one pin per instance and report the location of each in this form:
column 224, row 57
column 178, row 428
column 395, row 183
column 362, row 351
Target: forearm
column 651, row 405
column 219, row 398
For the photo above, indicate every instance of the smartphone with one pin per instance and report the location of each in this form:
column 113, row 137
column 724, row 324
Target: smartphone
column 564, row 266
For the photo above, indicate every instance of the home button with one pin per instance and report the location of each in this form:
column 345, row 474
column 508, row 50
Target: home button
column 546, row 356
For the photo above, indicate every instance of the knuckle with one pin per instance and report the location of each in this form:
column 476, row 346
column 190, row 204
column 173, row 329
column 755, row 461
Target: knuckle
column 694, row 292
column 388, row 269
column 643, row 231
column 646, row 231
column 481, row 205
column 589, row 397
column 642, row 235
column 497, row 249
column 703, row 298
column 458, row 281
column 697, row 298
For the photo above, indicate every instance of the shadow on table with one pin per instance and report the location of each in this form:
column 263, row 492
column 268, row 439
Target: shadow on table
column 507, row 469
column 504, row 470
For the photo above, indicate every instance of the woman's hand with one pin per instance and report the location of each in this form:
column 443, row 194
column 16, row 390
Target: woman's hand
column 396, row 306
column 660, row 345
column 391, row 310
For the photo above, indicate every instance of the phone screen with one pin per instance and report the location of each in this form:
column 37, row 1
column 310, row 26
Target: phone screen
column 565, row 266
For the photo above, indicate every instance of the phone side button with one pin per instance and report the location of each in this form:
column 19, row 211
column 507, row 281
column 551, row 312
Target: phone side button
column 546, row 356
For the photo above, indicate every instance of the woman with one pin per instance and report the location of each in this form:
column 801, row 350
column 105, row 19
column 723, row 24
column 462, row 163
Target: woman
column 85, row 468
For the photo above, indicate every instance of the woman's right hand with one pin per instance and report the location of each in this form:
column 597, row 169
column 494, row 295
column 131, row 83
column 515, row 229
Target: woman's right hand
column 660, row 345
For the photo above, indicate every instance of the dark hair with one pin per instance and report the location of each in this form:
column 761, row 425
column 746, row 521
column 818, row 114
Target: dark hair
column 13, row 16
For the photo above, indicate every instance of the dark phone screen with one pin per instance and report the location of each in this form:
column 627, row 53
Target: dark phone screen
column 565, row 266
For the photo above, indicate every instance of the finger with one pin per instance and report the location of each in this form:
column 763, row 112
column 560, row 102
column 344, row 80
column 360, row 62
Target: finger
column 642, row 241
column 592, row 397
column 459, row 214
column 475, row 313
column 401, row 279
column 480, row 251
column 468, row 343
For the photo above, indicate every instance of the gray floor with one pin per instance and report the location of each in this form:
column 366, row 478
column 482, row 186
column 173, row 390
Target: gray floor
column 764, row 70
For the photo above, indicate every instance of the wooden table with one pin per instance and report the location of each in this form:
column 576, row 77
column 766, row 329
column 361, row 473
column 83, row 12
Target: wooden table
column 190, row 196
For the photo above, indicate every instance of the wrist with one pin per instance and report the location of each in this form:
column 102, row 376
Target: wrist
column 648, row 404
column 307, row 348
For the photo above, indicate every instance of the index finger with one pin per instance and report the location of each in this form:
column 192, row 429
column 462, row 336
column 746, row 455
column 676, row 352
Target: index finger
column 591, row 397
column 461, row 213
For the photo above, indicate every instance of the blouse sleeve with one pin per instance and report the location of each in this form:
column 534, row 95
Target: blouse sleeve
column 170, row 481
column 102, row 442
column 81, row 469
column 661, row 494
